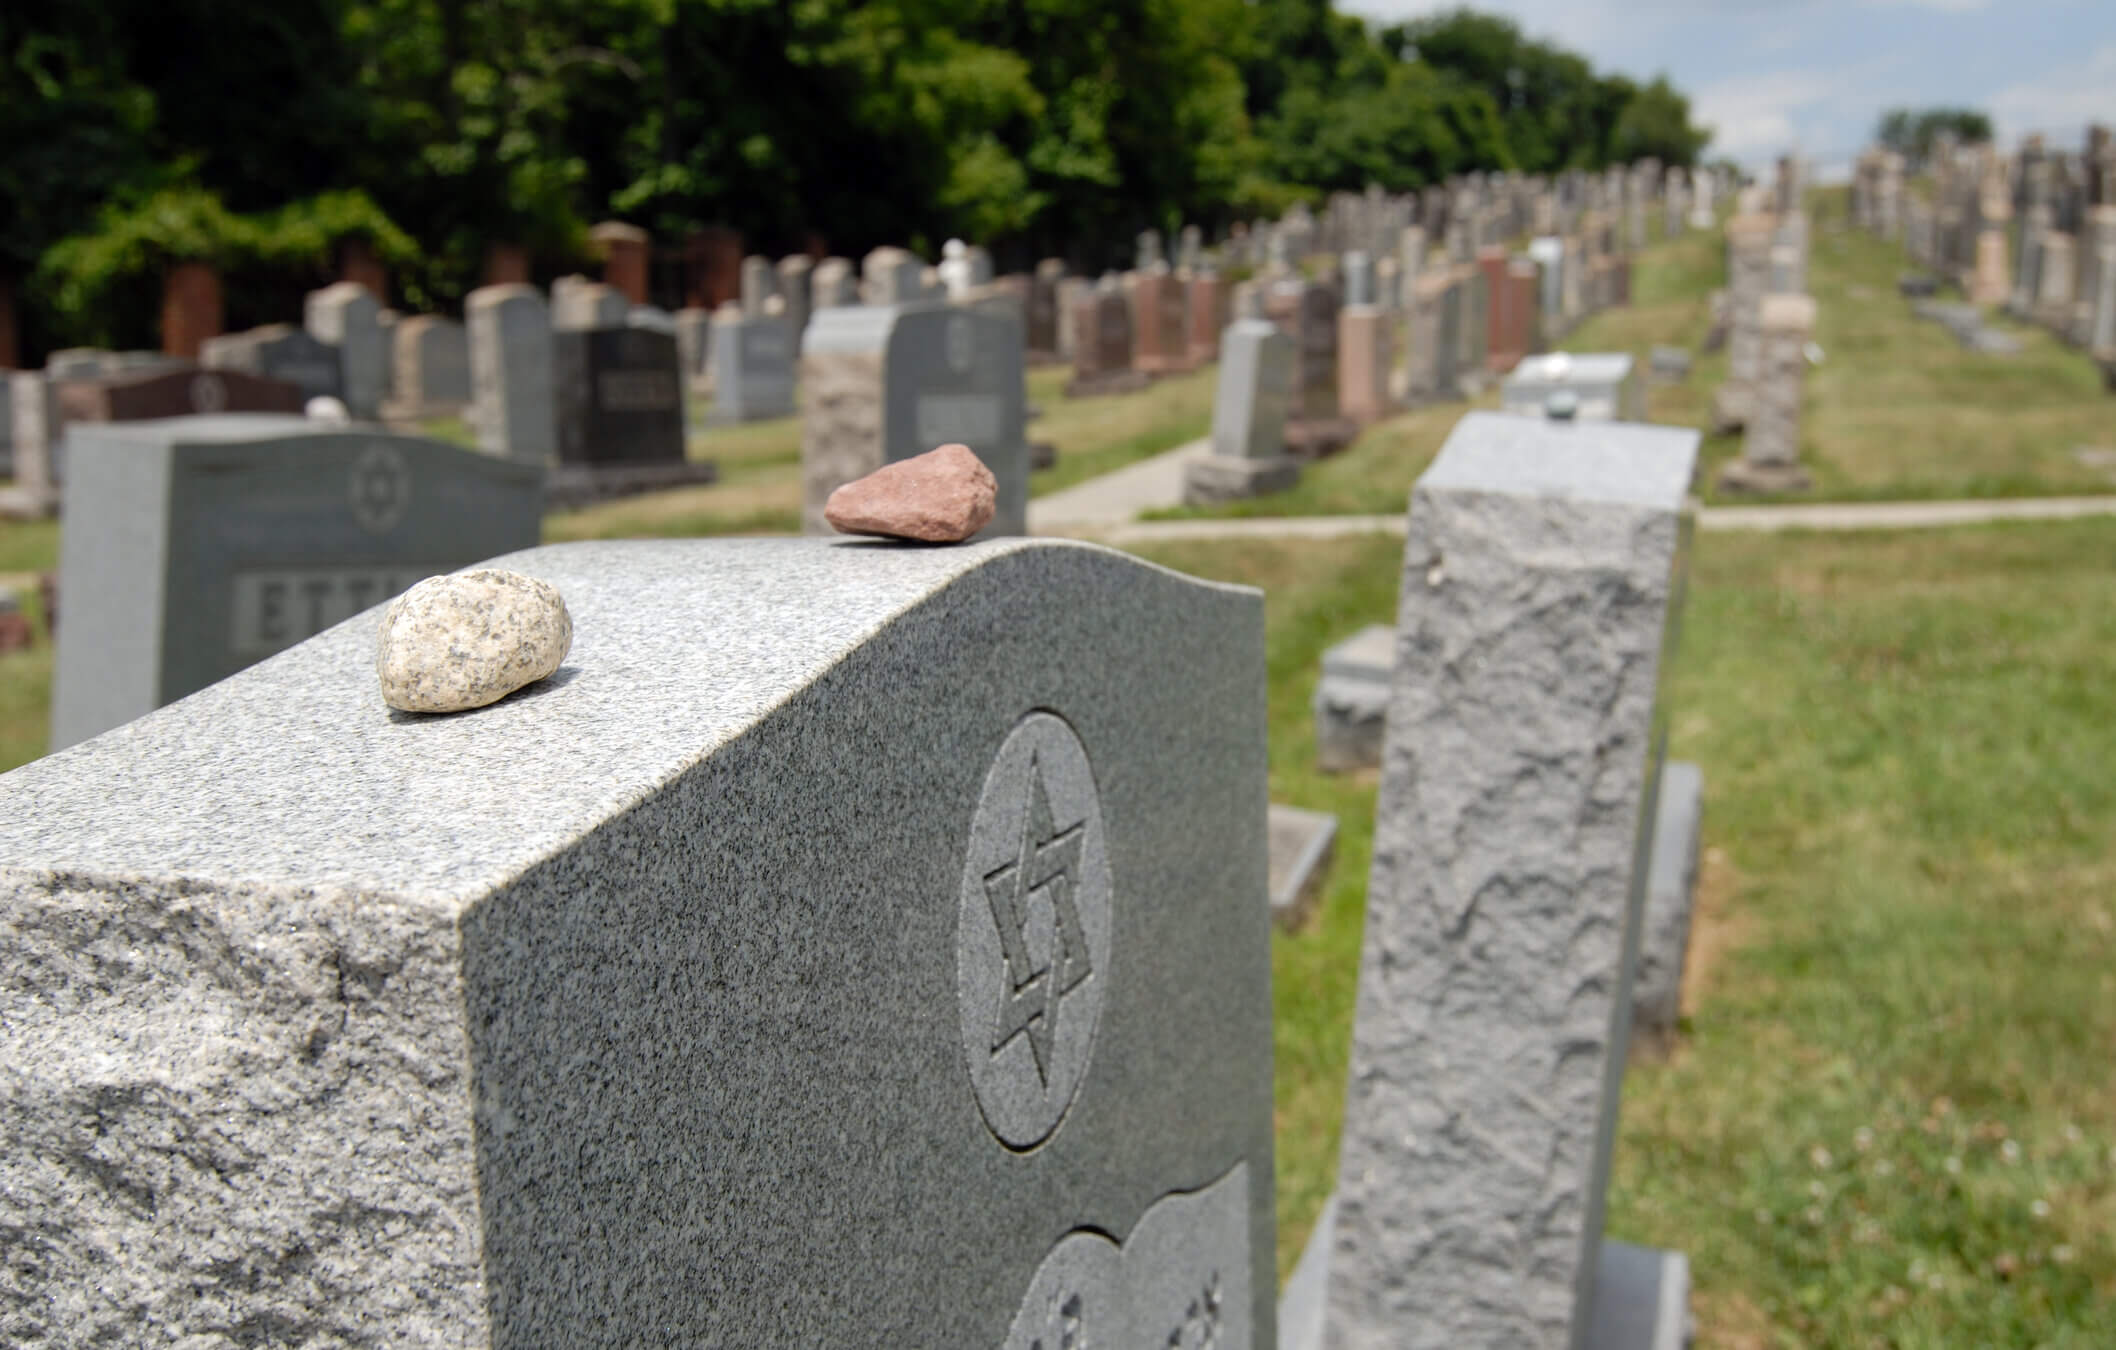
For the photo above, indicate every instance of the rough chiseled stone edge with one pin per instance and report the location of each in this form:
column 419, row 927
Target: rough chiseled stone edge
column 1433, row 1258
column 182, row 1060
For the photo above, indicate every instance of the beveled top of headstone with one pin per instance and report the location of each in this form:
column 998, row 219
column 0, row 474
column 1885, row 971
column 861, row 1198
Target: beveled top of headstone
column 1623, row 462
column 617, row 232
column 293, row 772
column 1573, row 368
column 1368, row 654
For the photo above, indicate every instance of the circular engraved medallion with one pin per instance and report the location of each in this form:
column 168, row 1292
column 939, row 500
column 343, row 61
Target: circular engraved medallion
column 961, row 340
column 1032, row 946
column 380, row 488
column 208, row 393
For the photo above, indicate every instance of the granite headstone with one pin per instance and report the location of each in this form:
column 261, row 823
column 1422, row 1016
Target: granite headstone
column 887, row 382
column 899, row 975
column 197, row 545
column 515, row 405
column 620, row 397
column 753, row 367
column 1543, row 575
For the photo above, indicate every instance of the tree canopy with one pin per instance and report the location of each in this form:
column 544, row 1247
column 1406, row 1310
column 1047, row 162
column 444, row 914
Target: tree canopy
column 136, row 132
column 1911, row 132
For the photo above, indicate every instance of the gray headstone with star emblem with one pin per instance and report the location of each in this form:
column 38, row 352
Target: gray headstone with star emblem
column 851, row 944
column 195, row 546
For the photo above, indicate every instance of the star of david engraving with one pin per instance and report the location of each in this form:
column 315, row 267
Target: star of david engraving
column 380, row 488
column 1048, row 860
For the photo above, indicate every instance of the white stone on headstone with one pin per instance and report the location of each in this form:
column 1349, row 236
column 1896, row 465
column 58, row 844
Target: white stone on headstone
column 196, row 546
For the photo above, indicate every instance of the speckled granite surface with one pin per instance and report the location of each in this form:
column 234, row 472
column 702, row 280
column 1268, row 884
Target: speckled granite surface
column 637, row 1008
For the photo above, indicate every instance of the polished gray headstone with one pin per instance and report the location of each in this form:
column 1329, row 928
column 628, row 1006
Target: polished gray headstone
column 1303, row 843
column 851, row 944
column 619, row 396
column 1352, row 700
column 1248, row 456
column 1671, row 882
column 1641, row 1295
column 514, row 394
column 279, row 351
column 753, row 366
column 1543, row 571
column 1605, row 386
column 346, row 316
column 882, row 383
column 195, row 546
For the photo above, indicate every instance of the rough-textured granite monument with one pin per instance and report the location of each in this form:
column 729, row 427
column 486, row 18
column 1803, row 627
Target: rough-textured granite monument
column 885, row 382
column 1770, row 446
column 1542, row 573
column 196, row 546
column 851, row 944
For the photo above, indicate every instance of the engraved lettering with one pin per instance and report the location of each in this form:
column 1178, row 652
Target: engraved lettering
column 972, row 419
column 271, row 611
column 625, row 391
column 318, row 590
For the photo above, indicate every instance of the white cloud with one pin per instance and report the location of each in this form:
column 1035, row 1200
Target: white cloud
column 1756, row 116
column 2059, row 103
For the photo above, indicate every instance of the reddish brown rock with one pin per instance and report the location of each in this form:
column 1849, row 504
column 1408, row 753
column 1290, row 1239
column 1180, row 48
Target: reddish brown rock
column 941, row 497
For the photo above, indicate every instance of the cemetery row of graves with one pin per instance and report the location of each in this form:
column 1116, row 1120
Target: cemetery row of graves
column 830, row 894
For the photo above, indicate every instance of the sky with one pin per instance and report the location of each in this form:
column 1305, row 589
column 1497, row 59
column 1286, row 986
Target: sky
column 1815, row 75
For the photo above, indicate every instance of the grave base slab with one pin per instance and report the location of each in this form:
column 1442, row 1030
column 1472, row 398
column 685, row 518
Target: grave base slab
column 1743, row 475
column 1225, row 478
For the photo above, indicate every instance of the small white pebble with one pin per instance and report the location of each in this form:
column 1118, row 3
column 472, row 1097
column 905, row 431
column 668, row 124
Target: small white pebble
column 463, row 641
column 1954, row 1167
column 2010, row 1151
column 2040, row 1209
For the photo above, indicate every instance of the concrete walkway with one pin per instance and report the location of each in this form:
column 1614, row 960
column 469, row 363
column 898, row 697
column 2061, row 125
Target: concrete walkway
column 1803, row 516
column 1115, row 498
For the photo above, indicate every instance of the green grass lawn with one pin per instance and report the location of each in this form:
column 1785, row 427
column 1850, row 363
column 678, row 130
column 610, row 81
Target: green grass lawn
column 1890, row 1119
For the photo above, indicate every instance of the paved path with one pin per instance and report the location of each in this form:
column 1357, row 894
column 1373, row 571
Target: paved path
column 1115, row 498
column 1803, row 516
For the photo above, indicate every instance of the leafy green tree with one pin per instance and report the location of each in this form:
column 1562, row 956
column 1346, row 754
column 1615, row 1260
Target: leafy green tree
column 1655, row 124
column 1912, row 132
